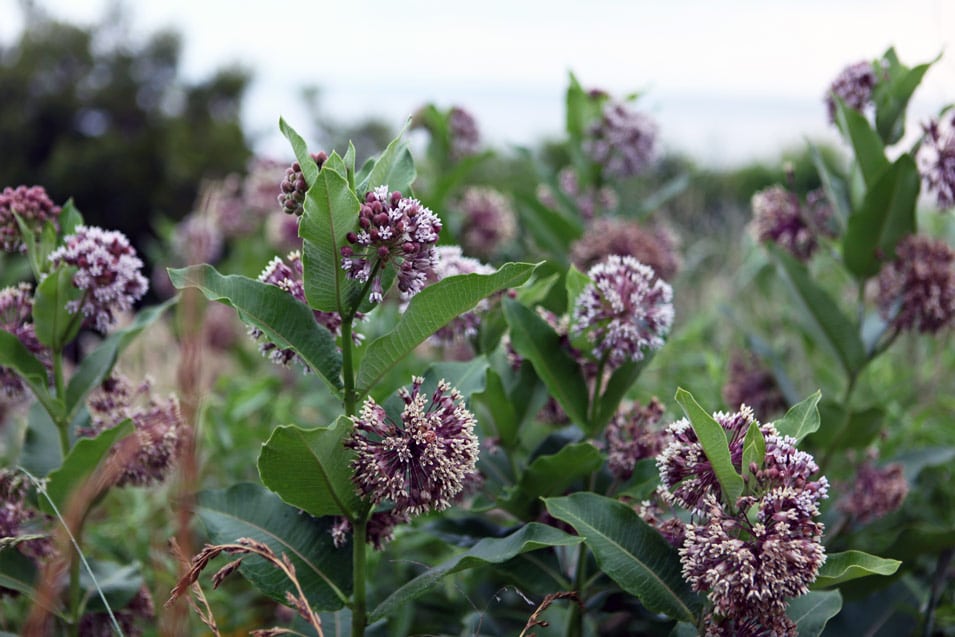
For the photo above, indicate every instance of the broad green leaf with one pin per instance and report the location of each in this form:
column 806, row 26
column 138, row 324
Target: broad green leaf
column 283, row 320
column 886, row 217
column 865, row 142
column 96, row 366
column 432, row 308
column 529, row 537
column 537, row 342
column 850, row 565
column 331, row 212
column 892, row 95
column 552, row 231
column 622, row 379
column 503, row 418
column 41, row 452
column 837, row 191
column 249, row 510
column 55, row 325
column 754, row 449
column 914, row 461
column 393, row 168
column 300, row 148
column 712, row 437
column 575, row 282
column 802, row 418
column 15, row 356
column 83, row 459
column 311, row 469
column 630, row 552
column 118, row 582
column 550, row 475
column 70, row 218
column 468, row 377
column 578, row 116
column 812, row 611
column 836, row 331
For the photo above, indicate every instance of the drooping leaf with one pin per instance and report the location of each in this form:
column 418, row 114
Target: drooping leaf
column 55, row 325
column 812, row 611
column 311, row 468
column 284, row 321
column 865, row 142
column 248, row 510
column 850, row 565
column 432, row 308
column 550, row 475
column 630, row 552
column 537, row 342
column 886, row 217
column 712, row 437
column 529, row 537
column 802, row 418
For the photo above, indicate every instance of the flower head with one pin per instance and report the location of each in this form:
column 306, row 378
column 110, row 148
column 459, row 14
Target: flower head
column 488, row 221
column 392, row 230
column 936, row 159
column 293, row 188
column 422, row 462
column 160, row 430
column 917, row 289
column 876, row 492
column 778, row 217
column 625, row 311
column 750, row 383
column 465, row 136
column 33, row 206
column 623, row 140
column 631, row 437
column 654, row 247
column 108, row 270
column 16, row 311
column 853, row 86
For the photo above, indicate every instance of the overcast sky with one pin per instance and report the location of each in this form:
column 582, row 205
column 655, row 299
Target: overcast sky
column 727, row 81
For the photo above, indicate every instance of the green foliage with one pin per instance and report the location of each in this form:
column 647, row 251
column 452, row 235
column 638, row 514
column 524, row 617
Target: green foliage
column 712, row 437
column 849, row 565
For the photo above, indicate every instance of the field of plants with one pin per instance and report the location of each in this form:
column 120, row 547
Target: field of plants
column 584, row 389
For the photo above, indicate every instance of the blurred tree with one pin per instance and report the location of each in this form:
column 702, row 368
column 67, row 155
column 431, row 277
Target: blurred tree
column 93, row 115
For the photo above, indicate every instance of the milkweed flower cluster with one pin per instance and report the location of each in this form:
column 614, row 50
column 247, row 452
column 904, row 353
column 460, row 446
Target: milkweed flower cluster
column 936, row 159
column 876, row 492
column 108, row 270
column 917, row 289
column 290, row 278
column 488, row 220
column 752, row 555
column 780, row 217
column 589, row 202
column 655, row 247
column 626, row 310
column 464, row 133
column 293, row 188
column 853, row 86
column 392, row 229
column 631, row 436
column 159, row 428
column 749, row 382
column 16, row 311
column 623, row 140
column 33, row 206
column 421, row 463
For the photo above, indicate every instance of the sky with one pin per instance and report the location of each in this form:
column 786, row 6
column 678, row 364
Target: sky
column 728, row 81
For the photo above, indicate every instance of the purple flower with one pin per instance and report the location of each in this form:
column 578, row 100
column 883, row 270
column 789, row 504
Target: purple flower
column 623, row 140
column 853, row 86
column 421, row 463
column 917, row 289
column 108, row 270
column 488, row 221
column 392, row 229
column 464, row 133
column 380, row 529
column 293, row 187
column 16, row 312
column 160, row 430
column 750, row 383
column 656, row 247
column 631, row 437
column 290, row 277
column 876, row 492
column 778, row 217
column 33, row 206
column 625, row 311
column 936, row 159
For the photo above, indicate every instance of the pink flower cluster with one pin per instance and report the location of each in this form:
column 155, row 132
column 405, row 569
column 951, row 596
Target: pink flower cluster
column 623, row 140
column 33, row 206
column 16, row 317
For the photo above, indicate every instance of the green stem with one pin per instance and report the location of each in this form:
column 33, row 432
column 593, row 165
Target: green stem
column 348, row 372
column 62, row 425
column 359, row 611
column 575, row 623
column 843, row 426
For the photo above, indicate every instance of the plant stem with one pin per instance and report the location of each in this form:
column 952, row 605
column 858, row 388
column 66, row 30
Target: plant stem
column 359, row 612
column 62, row 425
column 575, row 623
column 348, row 372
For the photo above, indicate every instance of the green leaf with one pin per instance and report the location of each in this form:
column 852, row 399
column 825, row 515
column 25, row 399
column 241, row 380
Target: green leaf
column 41, row 452
column 850, row 565
column 283, row 320
column 865, row 142
column 550, row 475
column 802, row 418
column 310, row 169
column 892, row 95
column 575, row 282
column 19, row 573
column 529, row 537
column 97, row 365
column 835, row 330
column 331, row 212
column 435, row 306
column 754, row 449
column 55, row 325
column 622, row 379
column 14, row 355
column 118, row 582
column 839, row 431
column 248, row 510
column 630, row 552
column 503, row 417
column 886, row 217
column 468, row 377
column 537, row 342
column 552, row 231
column 813, row 610
column 311, row 468
column 70, row 218
column 712, row 437
column 837, row 191
column 393, row 168
column 83, row 459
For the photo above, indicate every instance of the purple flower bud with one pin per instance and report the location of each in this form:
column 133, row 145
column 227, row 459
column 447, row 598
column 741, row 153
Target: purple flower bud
column 623, row 140
column 488, row 221
column 33, row 206
column 292, row 191
column 936, row 159
column 917, row 289
column 464, row 133
column 876, row 492
column 853, row 86
column 779, row 217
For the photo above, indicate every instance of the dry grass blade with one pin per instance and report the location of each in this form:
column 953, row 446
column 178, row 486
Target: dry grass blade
column 535, row 620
